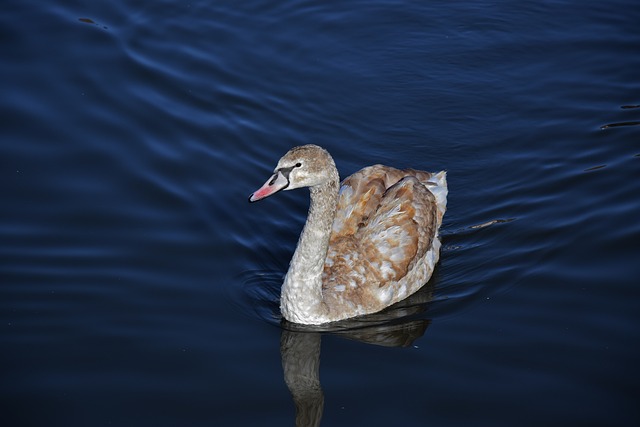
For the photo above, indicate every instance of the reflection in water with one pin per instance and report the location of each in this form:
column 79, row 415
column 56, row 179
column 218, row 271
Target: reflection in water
column 300, row 348
column 300, row 353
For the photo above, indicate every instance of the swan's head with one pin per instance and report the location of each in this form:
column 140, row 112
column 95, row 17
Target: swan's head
column 303, row 166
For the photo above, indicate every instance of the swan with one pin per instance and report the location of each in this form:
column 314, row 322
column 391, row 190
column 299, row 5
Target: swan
column 367, row 243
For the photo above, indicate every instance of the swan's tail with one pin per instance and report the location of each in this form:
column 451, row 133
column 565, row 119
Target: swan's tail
column 437, row 184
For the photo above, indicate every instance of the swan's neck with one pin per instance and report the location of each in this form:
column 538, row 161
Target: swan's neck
column 301, row 299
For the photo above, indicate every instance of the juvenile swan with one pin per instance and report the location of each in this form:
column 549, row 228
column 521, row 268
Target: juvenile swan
column 367, row 243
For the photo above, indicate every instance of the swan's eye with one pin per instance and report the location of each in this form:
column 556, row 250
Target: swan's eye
column 298, row 164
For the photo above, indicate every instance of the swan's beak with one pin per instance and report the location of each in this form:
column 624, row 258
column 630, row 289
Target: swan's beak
column 276, row 183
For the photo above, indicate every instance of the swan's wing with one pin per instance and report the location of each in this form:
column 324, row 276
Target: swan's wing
column 401, row 231
column 380, row 240
column 361, row 194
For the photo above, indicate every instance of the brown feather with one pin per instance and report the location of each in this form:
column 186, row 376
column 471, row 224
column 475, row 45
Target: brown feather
column 386, row 222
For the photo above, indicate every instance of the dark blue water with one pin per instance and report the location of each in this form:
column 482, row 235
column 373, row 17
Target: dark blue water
column 138, row 287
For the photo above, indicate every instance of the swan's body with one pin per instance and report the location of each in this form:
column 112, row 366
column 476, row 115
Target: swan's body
column 367, row 243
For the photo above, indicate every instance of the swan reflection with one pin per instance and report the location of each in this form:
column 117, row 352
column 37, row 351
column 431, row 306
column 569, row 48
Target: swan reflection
column 398, row 326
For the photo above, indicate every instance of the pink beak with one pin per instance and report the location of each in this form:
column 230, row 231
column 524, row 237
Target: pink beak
column 274, row 184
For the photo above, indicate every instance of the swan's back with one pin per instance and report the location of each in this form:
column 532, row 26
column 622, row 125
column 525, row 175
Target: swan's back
column 384, row 241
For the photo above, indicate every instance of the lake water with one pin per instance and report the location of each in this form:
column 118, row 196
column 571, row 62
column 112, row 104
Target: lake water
column 139, row 288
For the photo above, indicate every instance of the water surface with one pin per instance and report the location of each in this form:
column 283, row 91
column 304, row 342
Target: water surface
column 138, row 286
